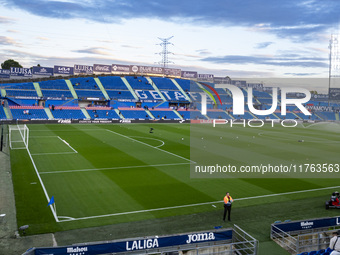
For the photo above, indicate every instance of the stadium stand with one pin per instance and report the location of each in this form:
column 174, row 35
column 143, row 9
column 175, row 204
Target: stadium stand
column 164, row 114
column 67, row 113
column 134, row 113
column 139, row 82
column 53, row 85
column 2, row 113
column 102, row 113
column 138, row 92
column 28, row 112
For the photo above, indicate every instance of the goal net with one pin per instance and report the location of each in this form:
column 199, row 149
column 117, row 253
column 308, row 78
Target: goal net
column 18, row 136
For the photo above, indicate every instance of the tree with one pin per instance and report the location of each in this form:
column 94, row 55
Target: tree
column 10, row 63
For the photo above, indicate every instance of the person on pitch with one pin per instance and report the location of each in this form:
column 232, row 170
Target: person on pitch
column 228, row 200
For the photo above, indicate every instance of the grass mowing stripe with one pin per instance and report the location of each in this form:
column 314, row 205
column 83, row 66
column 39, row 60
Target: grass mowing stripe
column 199, row 204
column 42, row 185
column 111, row 168
column 150, row 145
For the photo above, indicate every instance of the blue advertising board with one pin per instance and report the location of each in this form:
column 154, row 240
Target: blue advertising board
column 97, row 68
column 63, row 70
column 83, row 69
column 4, row 73
column 138, row 244
column 22, row 72
column 39, row 70
column 307, row 224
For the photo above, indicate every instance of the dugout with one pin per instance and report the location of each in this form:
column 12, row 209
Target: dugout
column 218, row 241
column 304, row 236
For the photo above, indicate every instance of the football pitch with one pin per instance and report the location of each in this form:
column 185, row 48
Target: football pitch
column 107, row 174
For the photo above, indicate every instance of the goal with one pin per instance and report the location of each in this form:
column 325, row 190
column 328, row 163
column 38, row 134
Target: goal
column 18, row 136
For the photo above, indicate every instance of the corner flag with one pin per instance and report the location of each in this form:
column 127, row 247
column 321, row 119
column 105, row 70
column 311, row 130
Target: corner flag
column 51, row 201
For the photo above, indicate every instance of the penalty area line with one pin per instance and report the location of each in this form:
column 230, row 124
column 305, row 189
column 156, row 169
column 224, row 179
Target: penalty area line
column 113, row 168
column 198, row 204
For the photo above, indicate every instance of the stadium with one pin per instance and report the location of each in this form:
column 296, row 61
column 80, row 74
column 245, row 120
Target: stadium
column 121, row 155
column 232, row 149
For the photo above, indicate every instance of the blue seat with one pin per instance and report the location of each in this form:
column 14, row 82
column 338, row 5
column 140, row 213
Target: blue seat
column 303, row 253
column 329, row 250
column 312, row 252
column 322, row 251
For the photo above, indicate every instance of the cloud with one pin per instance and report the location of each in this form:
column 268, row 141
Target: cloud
column 289, row 18
column 6, row 20
column 292, row 60
column 203, row 52
column 94, row 50
column 4, row 40
column 42, row 38
column 263, row 45
column 301, row 74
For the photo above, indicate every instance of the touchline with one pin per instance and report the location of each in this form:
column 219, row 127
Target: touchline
column 238, row 100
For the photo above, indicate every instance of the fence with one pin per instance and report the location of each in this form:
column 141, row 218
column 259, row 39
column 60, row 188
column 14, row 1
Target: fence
column 219, row 242
column 304, row 236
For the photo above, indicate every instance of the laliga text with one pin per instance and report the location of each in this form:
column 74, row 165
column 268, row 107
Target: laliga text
column 269, row 168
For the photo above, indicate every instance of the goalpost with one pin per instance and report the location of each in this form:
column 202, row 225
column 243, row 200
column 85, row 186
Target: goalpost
column 18, row 137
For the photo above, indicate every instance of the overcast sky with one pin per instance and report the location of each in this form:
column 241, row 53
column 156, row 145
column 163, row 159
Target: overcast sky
column 247, row 38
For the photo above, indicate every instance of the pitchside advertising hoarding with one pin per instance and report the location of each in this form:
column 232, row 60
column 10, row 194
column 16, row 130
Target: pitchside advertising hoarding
column 21, row 72
column 105, row 69
column 189, row 75
column 63, row 70
column 123, row 69
column 155, row 70
column 140, row 244
column 4, row 73
column 306, row 224
column 83, row 69
column 42, row 71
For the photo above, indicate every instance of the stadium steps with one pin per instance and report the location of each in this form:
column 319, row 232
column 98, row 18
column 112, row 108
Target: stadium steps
column 37, row 89
column 3, row 92
column 100, row 85
column 150, row 114
column 155, row 88
column 8, row 113
column 49, row 113
column 177, row 113
column 180, row 89
column 280, row 118
column 254, row 116
column 127, row 84
column 317, row 115
column 297, row 116
column 230, row 115
column 206, row 92
column 70, row 87
column 119, row 114
column 87, row 115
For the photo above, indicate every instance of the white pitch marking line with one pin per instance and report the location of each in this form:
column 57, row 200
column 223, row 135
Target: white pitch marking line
column 68, row 145
column 199, row 204
column 150, row 146
column 53, row 153
column 150, row 138
column 43, row 136
column 112, row 168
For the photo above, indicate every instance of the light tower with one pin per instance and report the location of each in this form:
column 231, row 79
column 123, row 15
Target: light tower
column 165, row 53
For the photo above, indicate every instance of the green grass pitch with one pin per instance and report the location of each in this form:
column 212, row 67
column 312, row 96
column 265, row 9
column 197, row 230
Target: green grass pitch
column 108, row 174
